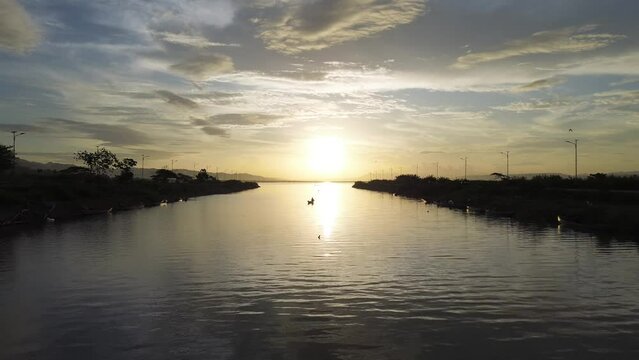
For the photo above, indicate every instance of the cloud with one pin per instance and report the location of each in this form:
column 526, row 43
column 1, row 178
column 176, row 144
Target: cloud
column 112, row 135
column 540, row 84
column 21, row 127
column 176, row 100
column 566, row 40
column 185, row 39
column 537, row 105
column 18, row 32
column 320, row 24
column 244, row 119
column 215, row 131
column 203, row 66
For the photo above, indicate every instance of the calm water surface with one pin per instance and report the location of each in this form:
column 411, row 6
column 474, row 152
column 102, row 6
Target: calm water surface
column 245, row 276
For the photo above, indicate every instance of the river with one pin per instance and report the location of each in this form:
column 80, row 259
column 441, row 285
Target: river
column 359, row 275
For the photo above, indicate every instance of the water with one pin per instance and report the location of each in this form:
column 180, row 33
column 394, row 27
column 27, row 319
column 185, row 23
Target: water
column 245, row 276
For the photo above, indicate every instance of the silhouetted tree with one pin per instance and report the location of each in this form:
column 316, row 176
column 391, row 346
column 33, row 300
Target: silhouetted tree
column 6, row 157
column 499, row 176
column 99, row 162
column 203, row 175
column 163, row 175
column 184, row 178
column 125, row 166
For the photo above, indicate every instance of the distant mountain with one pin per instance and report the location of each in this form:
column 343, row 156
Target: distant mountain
column 220, row 175
column 32, row 165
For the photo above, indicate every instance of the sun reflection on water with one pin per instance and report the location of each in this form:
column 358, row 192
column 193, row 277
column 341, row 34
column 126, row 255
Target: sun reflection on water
column 327, row 207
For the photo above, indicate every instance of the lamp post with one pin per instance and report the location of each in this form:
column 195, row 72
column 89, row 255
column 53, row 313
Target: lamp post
column 574, row 143
column 143, row 157
column 507, row 153
column 15, row 135
column 465, row 158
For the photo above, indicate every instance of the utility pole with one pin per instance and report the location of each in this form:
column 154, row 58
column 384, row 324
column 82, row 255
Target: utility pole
column 172, row 161
column 465, row 158
column 15, row 135
column 143, row 157
column 437, row 170
column 417, row 170
column 507, row 153
column 574, row 143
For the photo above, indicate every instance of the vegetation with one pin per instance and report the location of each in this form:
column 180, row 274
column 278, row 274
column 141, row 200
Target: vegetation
column 598, row 202
column 33, row 197
column 104, row 162
column 6, row 157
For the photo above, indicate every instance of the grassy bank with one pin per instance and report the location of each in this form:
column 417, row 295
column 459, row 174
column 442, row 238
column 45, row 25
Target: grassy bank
column 598, row 203
column 33, row 199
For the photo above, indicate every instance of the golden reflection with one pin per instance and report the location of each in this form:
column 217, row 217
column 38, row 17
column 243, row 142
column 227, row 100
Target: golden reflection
column 327, row 207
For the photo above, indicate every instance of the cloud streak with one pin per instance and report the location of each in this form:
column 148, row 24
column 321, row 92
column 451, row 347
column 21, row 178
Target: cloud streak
column 566, row 40
column 320, row 24
column 18, row 32
column 204, row 66
column 176, row 100
column 112, row 135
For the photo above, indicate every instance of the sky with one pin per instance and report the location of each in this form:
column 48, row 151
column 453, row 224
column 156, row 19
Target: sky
column 325, row 89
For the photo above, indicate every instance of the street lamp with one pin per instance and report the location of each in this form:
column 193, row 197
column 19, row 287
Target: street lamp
column 507, row 153
column 465, row 158
column 574, row 143
column 15, row 135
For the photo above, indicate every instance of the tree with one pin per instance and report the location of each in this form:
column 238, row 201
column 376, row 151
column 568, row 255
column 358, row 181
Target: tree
column 6, row 157
column 99, row 162
column 125, row 166
column 203, row 175
column 499, row 176
column 163, row 175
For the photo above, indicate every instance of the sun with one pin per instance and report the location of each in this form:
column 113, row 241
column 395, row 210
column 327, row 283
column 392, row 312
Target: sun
column 326, row 156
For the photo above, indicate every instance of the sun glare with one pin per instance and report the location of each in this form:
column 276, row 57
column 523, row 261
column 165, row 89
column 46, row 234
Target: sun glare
column 326, row 156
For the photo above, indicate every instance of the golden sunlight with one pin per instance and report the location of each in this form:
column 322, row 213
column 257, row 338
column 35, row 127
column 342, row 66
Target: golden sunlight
column 326, row 156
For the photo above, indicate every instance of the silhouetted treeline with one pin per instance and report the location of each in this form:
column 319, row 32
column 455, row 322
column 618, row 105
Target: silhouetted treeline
column 598, row 202
column 37, row 197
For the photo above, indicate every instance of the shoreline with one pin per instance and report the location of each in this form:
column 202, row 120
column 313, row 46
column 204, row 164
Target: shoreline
column 38, row 200
column 599, row 211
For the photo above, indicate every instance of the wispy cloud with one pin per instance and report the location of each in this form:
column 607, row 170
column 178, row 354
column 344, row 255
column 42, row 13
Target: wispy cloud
column 215, row 131
column 112, row 135
column 566, row 40
column 540, row 84
column 18, row 32
column 244, row 119
column 315, row 25
column 176, row 100
column 204, row 66
column 186, row 39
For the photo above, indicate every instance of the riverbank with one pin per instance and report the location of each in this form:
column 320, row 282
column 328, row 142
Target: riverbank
column 609, row 205
column 31, row 200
